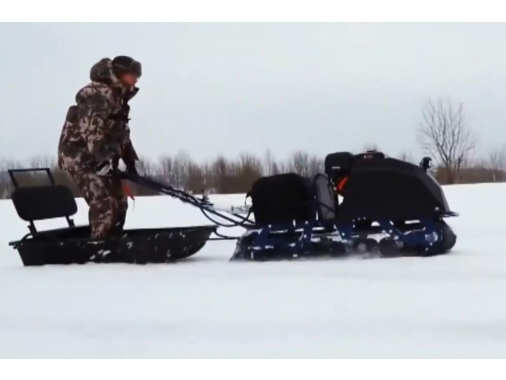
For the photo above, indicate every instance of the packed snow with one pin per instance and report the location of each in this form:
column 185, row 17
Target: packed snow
column 206, row 307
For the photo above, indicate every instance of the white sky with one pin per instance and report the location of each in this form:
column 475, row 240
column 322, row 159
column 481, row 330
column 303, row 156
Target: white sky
column 227, row 88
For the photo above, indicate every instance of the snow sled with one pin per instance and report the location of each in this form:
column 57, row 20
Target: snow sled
column 73, row 245
column 366, row 204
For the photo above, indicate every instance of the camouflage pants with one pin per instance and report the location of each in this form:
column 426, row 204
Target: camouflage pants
column 107, row 201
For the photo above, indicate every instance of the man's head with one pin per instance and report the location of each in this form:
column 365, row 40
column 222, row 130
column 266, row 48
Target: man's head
column 127, row 70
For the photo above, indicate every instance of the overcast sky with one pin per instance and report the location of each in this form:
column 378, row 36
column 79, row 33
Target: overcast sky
column 226, row 88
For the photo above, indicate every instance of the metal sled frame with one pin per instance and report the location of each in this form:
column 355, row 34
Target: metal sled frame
column 207, row 208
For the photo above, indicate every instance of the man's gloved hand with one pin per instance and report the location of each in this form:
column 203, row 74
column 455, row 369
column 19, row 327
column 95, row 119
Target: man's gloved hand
column 131, row 169
column 104, row 168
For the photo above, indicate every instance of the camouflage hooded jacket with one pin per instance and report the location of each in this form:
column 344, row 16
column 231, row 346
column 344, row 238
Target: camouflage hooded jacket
column 96, row 128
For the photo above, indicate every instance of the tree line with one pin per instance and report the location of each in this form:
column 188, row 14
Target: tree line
column 444, row 134
column 221, row 175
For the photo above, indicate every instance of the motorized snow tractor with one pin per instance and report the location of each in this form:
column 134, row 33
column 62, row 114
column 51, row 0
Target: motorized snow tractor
column 73, row 245
column 366, row 204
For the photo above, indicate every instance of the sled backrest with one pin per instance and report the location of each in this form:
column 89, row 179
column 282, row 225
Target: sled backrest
column 51, row 201
column 44, row 202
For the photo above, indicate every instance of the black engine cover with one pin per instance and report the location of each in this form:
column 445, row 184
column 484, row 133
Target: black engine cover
column 391, row 189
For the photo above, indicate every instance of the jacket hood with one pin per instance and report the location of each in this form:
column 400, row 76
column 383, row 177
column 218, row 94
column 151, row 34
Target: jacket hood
column 102, row 72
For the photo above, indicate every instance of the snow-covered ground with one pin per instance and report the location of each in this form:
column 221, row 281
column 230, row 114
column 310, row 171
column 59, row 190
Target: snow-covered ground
column 448, row 306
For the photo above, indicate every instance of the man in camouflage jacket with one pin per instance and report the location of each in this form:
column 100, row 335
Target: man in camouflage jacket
column 96, row 136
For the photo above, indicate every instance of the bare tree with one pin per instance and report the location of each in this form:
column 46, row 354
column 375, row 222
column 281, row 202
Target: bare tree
column 303, row 164
column 249, row 170
column 5, row 182
column 181, row 164
column 6, row 164
column 195, row 181
column 43, row 162
column 269, row 163
column 299, row 163
column 445, row 136
column 283, row 167
column 208, row 178
column 497, row 164
column 147, row 168
column 166, row 167
column 316, row 165
column 220, row 170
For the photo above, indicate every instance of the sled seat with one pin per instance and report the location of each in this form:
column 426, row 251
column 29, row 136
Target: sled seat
column 51, row 201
